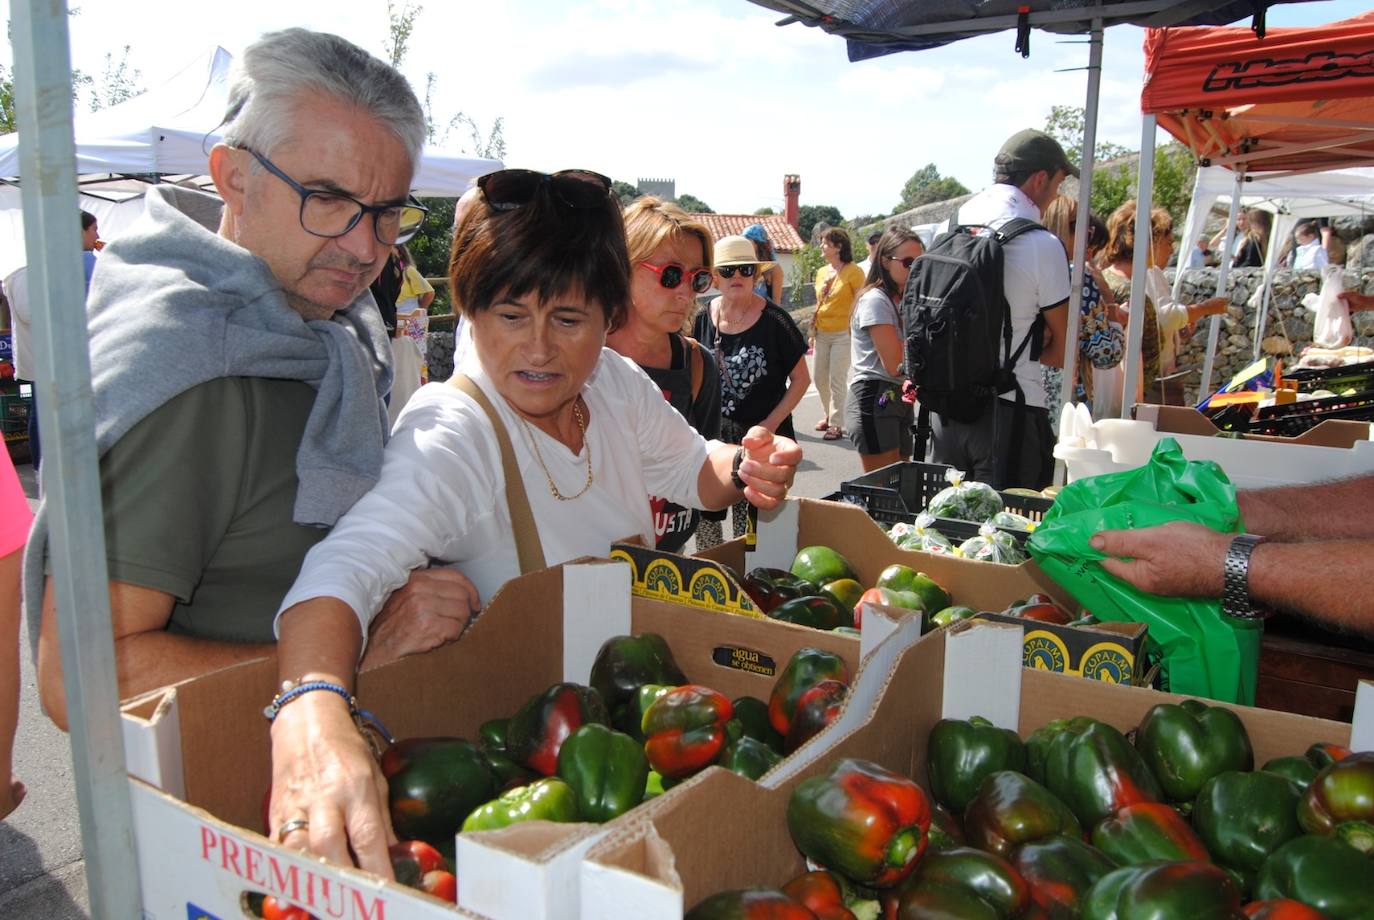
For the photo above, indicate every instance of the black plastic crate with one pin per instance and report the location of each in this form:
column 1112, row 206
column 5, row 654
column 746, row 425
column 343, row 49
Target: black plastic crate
column 1346, row 377
column 896, row 494
column 1293, row 419
column 14, row 413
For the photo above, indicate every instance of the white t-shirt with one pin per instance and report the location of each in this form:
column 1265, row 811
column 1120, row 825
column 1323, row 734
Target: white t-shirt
column 21, row 327
column 442, row 493
column 1310, row 256
column 1035, row 274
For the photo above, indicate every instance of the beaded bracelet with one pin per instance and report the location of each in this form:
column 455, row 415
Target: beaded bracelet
column 291, row 690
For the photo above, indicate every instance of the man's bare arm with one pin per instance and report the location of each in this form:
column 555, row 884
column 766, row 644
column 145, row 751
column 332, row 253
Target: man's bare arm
column 146, row 655
column 1339, row 510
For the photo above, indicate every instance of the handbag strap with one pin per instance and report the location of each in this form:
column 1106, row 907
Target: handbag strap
column 527, row 546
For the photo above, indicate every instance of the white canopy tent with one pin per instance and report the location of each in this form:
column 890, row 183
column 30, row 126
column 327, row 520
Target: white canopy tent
column 165, row 135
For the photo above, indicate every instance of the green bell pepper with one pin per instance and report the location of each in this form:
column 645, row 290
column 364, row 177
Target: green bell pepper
column 946, row 831
column 819, row 611
column 1011, row 809
column 1243, row 817
column 626, row 663
column 1163, row 891
column 858, row 819
column 606, row 769
column 684, row 730
column 548, row 799
column 1321, row 872
column 1296, row 769
column 432, row 785
column 1188, row 743
column 1094, row 769
column 1340, row 801
column 1145, row 832
column 961, row 754
column 988, row 877
column 491, row 735
column 749, row 904
column 1059, row 870
column 749, row 757
column 752, row 714
column 805, row 669
column 507, row 774
column 540, row 726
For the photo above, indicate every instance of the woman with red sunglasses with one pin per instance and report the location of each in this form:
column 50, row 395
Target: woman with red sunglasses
column 875, row 415
column 670, row 264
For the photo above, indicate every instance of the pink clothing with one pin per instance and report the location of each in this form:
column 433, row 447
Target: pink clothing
column 15, row 516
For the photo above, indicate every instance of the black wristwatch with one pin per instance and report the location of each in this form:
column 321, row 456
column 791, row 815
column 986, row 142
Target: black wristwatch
column 734, row 469
column 1235, row 597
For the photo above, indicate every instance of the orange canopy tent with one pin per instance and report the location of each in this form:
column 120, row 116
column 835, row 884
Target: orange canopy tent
column 1298, row 100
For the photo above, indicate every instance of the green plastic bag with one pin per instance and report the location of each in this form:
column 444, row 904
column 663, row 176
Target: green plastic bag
column 1204, row 653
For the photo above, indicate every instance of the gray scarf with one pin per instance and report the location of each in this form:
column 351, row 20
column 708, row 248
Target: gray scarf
column 174, row 305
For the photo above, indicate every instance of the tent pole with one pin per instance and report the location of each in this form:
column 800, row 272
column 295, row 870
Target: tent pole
column 1271, row 259
column 1223, row 277
column 1135, row 334
column 47, row 156
column 1192, row 232
column 1080, row 233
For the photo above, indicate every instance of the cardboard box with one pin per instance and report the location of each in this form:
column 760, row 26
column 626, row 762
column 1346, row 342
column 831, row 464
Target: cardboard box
column 727, row 834
column 1111, row 652
column 200, row 751
column 1342, row 434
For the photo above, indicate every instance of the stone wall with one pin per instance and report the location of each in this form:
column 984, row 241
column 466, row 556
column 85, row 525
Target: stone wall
column 1287, row 331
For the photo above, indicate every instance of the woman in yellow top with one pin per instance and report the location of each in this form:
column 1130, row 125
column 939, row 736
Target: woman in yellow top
column 837, row 285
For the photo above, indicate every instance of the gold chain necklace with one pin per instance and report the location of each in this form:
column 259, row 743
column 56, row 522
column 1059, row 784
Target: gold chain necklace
column 534, row 444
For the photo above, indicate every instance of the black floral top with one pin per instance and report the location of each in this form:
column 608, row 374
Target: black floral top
column 754, row 365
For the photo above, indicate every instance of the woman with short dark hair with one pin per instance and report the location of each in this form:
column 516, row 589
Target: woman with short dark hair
column 542, row 448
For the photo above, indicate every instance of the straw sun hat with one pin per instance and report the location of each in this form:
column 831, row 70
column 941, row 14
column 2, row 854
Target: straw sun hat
column 738, row 250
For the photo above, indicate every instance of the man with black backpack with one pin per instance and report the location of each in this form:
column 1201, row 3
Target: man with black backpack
column 983, row 309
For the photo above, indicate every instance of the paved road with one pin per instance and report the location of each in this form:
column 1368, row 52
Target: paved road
column 42, row 873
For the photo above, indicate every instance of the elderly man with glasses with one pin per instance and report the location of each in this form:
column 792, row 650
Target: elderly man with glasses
column 239, row 366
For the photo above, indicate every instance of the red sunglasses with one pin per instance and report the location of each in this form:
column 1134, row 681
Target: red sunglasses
column 671, row 274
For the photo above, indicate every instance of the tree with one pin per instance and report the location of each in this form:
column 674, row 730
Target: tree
column 1065, row 124
column 927, row 185
column 764, row 212
column 8, row 124
column 119, row 82
column 490, row 145
column 809, row 215
column 624, row 192
column 402, row 25
column 693, row 205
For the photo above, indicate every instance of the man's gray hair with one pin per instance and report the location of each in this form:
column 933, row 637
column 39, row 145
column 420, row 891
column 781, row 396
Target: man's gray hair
column 277, row 69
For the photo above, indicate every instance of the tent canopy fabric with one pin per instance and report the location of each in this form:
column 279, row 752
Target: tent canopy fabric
column 1300, row 100
column 877, row 27
column 165, row 135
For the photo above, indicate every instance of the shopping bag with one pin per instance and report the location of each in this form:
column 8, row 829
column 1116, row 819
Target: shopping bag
column 1202, row 651
column 1332, row 328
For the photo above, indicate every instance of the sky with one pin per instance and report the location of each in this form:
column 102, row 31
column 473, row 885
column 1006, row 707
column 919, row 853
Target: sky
column 710, row 93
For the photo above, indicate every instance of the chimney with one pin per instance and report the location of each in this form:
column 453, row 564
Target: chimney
column 791, row 193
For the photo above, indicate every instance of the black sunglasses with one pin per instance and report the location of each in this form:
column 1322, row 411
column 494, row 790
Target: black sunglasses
column 907, row 261
column 508, row 189
column 745, row 271
column 670, row 275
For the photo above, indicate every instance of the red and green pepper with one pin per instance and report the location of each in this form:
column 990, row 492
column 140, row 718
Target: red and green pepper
column 684, row 730
column 540, row 727
column 805, row 669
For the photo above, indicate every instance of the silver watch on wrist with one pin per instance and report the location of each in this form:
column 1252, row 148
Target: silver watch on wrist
column 1235, row 597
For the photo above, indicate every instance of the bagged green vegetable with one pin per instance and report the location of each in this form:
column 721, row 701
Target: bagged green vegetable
column 993, row 545
column 921, row 536
column 1203, row 652
column 966, row 501
column 1010, row 520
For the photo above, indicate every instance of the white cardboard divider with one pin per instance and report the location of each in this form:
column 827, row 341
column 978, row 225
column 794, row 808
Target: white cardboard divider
column 496, row 883
column 863, row 696
column 609, row 891
column 1362, row 725
column 596, row 606
column 776, row 545
column 152, row 746
column 993, row 652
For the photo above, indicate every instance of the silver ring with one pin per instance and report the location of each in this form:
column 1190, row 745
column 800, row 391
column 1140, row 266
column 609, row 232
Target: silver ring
column 290, row 827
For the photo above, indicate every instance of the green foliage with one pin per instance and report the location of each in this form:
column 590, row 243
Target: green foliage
column 804, row 268
column 1173, row 187
column 693, row 205
column 1065, row 124
column 764, row 212
column 118, row 82
column 809, row 215
column 430, row 248
column 927, row 185
column 624, row 192
column 402, row 25
column 8, row 124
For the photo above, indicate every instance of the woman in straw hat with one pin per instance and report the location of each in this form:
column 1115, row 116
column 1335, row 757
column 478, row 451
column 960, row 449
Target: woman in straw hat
column 760, row 352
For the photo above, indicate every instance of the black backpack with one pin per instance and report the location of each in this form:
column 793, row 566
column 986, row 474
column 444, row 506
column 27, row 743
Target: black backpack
column 958, row 325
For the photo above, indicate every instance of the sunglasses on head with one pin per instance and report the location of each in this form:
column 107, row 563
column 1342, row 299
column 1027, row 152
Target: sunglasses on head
column 745, row 271
column 508, row 189
column 907, row 261
column 670, row 275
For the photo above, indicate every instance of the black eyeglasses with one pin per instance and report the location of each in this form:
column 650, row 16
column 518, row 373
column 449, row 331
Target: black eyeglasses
column 508, row 189
column 333, row 214
column 745, row 271
column 907, row 261
column 670, row 275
